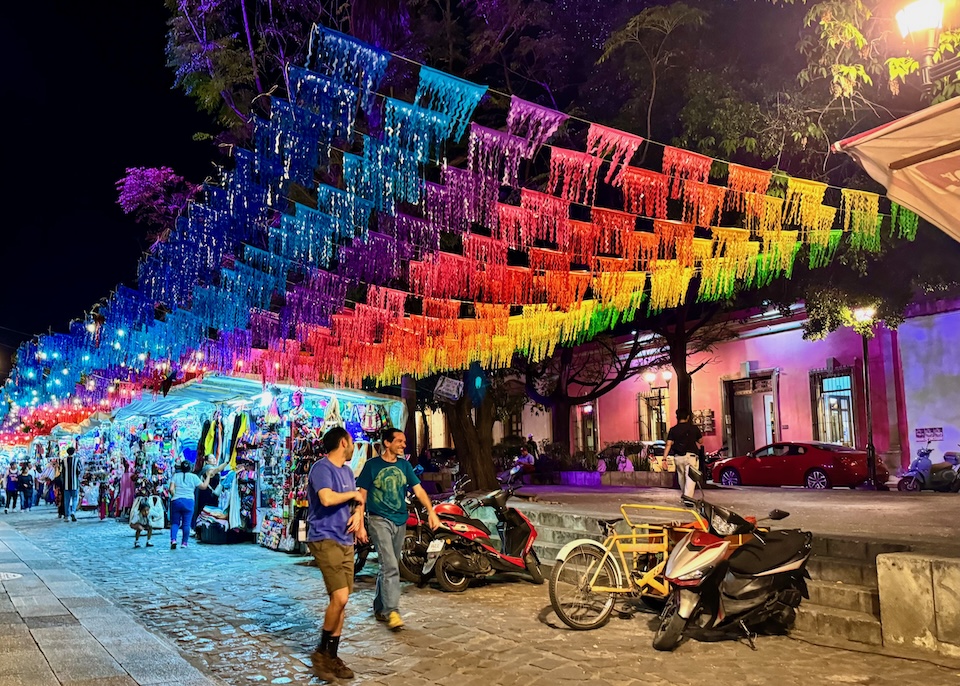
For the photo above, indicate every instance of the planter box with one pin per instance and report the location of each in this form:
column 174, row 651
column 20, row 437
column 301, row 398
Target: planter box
column 589, row 479
column 645, row 479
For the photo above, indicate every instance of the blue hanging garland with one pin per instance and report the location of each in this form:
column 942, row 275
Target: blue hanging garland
column 451, row 96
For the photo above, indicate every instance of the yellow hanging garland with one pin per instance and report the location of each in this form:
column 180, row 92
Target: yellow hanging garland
column 861, row 211
column 804, row 198
column 669, row 281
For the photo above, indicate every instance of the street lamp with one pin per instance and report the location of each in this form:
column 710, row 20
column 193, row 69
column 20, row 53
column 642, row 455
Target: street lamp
column 651, row 379
column 922, row 22
column 865, row 317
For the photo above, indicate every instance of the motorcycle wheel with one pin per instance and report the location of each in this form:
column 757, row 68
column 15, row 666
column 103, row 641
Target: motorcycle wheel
column 533, row 567
column 576, row 605
column 450, row 580
column 908, row 483
column 955, row 486
column 671, row 628
column 411, row 559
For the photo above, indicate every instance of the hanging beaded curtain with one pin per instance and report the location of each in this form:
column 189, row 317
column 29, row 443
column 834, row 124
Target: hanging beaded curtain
column 353, row 62
column 702, row 203
column 905, row 221
column 669, row 281
column 534, row 123
column 743, row 180
column 549, row 217
column 573, row 175
column 613, row 226
column 620, row 146
column 644, row 192
column 861, row 213
column 676, row 240
column 803, row 201
column 454, row 97
column 682, row 165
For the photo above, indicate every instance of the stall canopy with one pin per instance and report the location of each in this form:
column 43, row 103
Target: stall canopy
column 917, row 159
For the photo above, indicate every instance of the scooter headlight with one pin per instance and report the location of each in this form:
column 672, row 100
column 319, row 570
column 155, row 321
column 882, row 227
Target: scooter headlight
column 694, row 575
column 721, row 525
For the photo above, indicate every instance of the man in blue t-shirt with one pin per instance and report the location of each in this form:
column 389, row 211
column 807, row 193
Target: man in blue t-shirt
column 383, row 487
column 330, row 538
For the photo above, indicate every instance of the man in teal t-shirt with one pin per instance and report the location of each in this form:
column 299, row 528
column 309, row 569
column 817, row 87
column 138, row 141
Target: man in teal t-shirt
column 383, row 484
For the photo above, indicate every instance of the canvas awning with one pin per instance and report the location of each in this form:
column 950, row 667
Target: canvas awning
column 917, row 159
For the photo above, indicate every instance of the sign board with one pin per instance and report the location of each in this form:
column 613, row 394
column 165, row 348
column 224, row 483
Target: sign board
column 448, row 389
column 929, row 434
column 706, row 421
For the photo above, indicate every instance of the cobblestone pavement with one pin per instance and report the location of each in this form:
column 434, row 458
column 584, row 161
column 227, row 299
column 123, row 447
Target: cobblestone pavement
column 251, row 615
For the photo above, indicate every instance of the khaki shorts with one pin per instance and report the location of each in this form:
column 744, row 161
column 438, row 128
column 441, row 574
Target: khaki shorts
column 335, row 561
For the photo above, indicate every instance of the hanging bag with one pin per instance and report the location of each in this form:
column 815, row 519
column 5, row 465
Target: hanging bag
column 331, row 416
column 156, row 516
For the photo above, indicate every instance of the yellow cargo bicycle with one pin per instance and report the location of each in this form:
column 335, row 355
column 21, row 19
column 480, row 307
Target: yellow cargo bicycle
column 589, row 576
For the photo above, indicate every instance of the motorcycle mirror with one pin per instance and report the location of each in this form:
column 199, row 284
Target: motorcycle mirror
column 777, row 515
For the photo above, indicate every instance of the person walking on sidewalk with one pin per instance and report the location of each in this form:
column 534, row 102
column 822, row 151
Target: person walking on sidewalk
column 182, row 487
column 71, row 472
column 10, row 487
column 383, row 484
column 330, row 538
column 684, row 440
column 25, row 485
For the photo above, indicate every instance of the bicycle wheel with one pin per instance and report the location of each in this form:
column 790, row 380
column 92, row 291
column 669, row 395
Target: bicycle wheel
column 572, row 599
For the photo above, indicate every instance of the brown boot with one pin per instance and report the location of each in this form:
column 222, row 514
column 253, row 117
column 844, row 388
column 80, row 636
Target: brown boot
column 324, row 666
column 341, row 670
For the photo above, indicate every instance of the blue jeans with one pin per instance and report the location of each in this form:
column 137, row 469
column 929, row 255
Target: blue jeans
column 26, row 499
column 181, row 510
column 388, row 537
column 70, row 499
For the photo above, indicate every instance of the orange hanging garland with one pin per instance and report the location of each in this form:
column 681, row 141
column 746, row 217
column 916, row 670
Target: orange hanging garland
column 804, row 198
column 681, row 164
column 644, row 192
column 513, row 222
column 702, row 203
column 677, row 235
column 742, row 180
column 542, row 259
column 584, row 237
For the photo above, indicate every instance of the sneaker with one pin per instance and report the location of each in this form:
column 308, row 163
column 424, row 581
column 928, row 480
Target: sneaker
column 136, row 545
column 394, row 622
column 341, row 670
column 149, row 545
column 173, row 546
column 183, row 545
column 73, row 518
column 323, row 665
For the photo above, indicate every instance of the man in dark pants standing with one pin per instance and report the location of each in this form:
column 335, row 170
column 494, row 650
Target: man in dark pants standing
column 72, row 472
column 330, row 538
column 684, row 440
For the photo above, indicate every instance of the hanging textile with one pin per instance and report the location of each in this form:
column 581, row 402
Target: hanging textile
column 613, row 226
column 535, row 124
column 669, row 281
column 621, row 146
column 348, row 59
column 802, row 205
column 549, row 217
column 682, row 165
column 905, row 221
column 702, row 203
column 644, row 192
column 743, row 180
column 454, row 97
column 861, row 216
column 676, row 240
column 573, row 175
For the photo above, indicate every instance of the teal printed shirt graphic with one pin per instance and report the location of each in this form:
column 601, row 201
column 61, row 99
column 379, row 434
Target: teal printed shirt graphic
column 386, row 484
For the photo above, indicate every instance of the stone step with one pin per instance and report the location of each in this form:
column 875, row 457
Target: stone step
column 857, row 627
column 854, row 549
column 564, row 536
column 842, row 596
column 836, row 569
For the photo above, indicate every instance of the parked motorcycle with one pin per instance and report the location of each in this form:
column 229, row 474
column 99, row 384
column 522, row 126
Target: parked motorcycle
column 923, row 474
column 721, row 590
column 463, row 549
column 419, row 535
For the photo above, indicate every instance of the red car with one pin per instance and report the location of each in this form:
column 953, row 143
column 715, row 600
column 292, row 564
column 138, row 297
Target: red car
column 814, row 465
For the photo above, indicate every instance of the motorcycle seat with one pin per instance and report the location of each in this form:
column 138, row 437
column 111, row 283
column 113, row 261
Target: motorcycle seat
column 778, row 548
column 940, row 466
column 466, row 520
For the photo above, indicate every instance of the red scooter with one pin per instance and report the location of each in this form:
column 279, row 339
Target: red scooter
column 463, row 549
column 413, row 556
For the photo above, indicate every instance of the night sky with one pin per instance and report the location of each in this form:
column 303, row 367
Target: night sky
column 88, row 95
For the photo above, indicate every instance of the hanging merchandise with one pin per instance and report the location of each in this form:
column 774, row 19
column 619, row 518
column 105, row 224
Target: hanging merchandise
column 454, row 97
column 534, row 123
column 861, row 216
column 682, row 165
column 644, row 192
column 573, row 175
column 348, row 59
column 904, row 220
column 331, row 415
column 742, row 180
column 621, row 146
column 802, row 205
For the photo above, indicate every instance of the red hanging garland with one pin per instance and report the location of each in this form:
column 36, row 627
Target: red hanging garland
column 644, row 192
column 573, row 175
column 482, row 250
column 613, row 224
column 682, row 164
column 549, row 218
column 519, row 286
column 549, row 260
column 741, row 180
column 584, row 237
column 513, row 223
column 641, row 248
column 701, row 203
column 603, row 141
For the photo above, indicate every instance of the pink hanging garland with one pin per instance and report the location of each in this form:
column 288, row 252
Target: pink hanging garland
column 549, row 218
column 603, row 141
column 512, row 224
column 613, row 226
column 573, row 175
column 644, row 192
column 682, row 164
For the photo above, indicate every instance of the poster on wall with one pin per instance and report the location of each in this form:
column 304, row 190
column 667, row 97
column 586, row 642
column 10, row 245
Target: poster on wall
column 929, row 434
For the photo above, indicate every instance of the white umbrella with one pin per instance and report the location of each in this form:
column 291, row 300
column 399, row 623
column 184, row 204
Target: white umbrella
column 917, row 159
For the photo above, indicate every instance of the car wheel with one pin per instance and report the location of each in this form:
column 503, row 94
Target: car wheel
column 818, row 479
column 730, row 477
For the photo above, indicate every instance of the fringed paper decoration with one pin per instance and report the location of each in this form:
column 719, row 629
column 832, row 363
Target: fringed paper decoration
column 454, row 97
column 743, row 180
column 465, row 205
column 735, row 246
column 518, row 286
column 533, row 123
column 819, row 238
column 682, row 165
column 441, row 309
column 348, row 59
column 334, row 101
column 483, row 250
column 495, row 155
column 610, row 265
column 549, row 217
column 860, row 216
column 549, row 260
column 584, row 237
column 763, row 213
column 644, row 192
column 415, row 129
column 802, row 205
column 905, row 221
column 613, row 226
column 676, row 240
column 779, row 251
column 823, row 251
column 669, row 281
column 640, row 248
column 513, row 225
column 390, row 175
column 566, row 289
column 573, row 175
column 717, row 280
column 703, row 249
column 702, row 203
column 621, row 146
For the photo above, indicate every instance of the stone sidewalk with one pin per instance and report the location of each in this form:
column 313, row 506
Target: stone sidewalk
column 55, row 629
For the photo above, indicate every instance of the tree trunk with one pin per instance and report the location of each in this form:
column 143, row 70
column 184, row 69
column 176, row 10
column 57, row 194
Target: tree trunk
column 474, row 441
column 678, row 359
column 560, row 422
